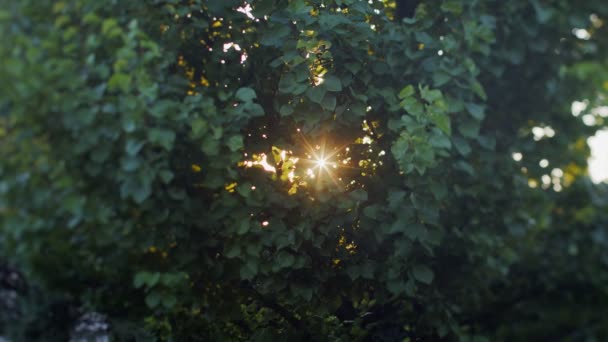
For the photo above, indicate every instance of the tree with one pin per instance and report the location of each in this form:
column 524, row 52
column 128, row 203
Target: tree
column 321, row 170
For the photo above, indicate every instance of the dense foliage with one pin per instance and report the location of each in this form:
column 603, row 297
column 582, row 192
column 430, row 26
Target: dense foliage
column 290, row 170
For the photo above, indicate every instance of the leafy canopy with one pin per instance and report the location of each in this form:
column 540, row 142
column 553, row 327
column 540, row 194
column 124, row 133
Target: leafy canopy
column 321, row 170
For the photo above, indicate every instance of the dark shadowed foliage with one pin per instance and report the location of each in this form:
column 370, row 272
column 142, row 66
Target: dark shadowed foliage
column 306, row 170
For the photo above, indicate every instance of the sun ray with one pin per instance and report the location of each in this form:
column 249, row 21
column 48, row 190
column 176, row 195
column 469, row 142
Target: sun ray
column 321, row 161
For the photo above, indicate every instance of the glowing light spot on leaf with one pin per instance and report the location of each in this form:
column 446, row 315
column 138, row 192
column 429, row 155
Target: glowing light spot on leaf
column 578, row 107
column 557, row 172
column 246, row 10
column 589, row 119
column 598, row 162
column 231, row 45
column 517, row 156
column 601, row 110
column 581, row 33
column 230, row 187
column 260, row 160
column 538, row 133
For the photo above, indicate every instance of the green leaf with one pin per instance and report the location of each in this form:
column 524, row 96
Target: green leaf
column 396, row 286
column 286, row 83
column 140, row 279
column 329, row 102
column 439, row 190
column 130, row 164
column 286, row 110
column 354, row 272
column 452, row 6
column 166, row 176
column 138, row 190
column 101, row 153
column 152, row 279
column 469, row 128
column 440, row 140
column 476, row 110
column 235, row 143
column 211, row 146
column 153, row 299
column 133, row 146
column 128, row 125
column 406, row 92
column 329, row 21
column 423, row 274
column 162, row 137
column 412, row 106
column 253, row 249
column 249, row 269
column 275, row 35
column 332, row 83
column 454, row 105
column 169, row 301
column 285, row 259
column 415, row 231
column 430, row 95
column 371, row 211
column 233, row 251
column 304, row 292
column 285, row 240
column 464, row 166
column 141, row 193
column 243, row 227
column 462, row 146
column 440, row 78
column 443, row 122
column 119, row 81
column 245, row 94
column 543, row 13
column 396, row 198
column 176, row 193
column 488, row 142
column 163, row 108
column 316, row 94
column 358, row 195
column 478, row 89
column 199, row 127
column 108, row 26
column 423, row 37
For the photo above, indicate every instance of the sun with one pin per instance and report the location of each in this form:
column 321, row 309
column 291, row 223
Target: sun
column 321, row 163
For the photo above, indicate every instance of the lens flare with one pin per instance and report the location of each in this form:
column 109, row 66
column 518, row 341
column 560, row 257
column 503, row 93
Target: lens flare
column 321, row 163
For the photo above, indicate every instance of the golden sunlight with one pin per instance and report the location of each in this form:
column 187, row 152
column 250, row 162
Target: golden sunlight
column 321, row 163
column 317, row 161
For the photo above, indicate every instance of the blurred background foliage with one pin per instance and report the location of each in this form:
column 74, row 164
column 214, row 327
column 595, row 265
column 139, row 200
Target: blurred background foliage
column 303, row 170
